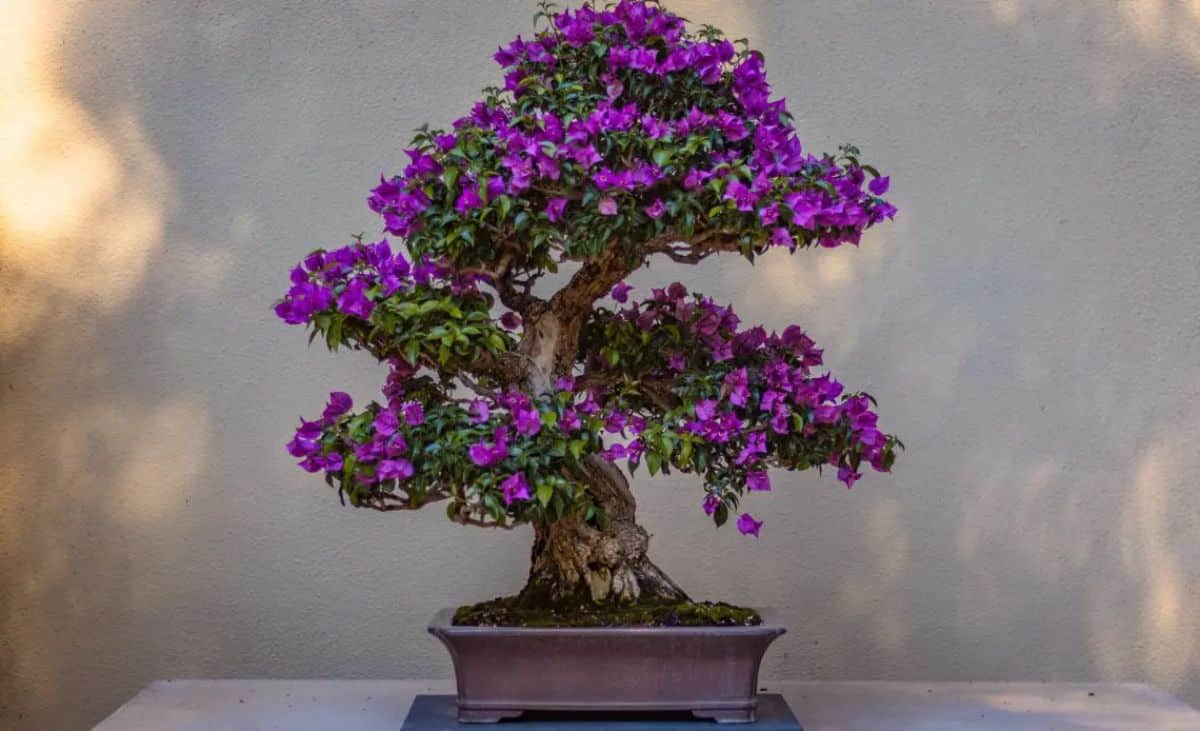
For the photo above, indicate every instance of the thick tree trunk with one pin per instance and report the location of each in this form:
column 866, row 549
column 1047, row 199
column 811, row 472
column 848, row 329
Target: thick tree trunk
column 576, row 564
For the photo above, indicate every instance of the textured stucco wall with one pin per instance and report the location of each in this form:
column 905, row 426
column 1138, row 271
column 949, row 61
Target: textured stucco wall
column 1029, row 325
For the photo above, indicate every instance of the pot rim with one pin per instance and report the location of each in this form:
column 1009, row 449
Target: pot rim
column 443, row 624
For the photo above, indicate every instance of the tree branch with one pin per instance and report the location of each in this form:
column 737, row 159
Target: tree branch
column 388, row 502
column 465, row 520
column 699, row 248
column 474, row 386
column 515, row 295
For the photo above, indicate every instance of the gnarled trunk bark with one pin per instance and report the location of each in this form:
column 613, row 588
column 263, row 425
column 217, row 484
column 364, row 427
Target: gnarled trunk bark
column 575, row 564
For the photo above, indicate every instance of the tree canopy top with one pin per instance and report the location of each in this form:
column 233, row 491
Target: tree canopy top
column 619, row 131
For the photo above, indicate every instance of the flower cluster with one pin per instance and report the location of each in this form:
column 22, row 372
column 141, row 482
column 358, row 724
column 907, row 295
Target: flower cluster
column 353, row 278
column 743, row 399
column 414, row 312
column 510, row 457
column 620, row 120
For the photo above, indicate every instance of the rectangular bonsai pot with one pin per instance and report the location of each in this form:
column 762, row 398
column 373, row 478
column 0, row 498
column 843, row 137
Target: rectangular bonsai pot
column 504, row 671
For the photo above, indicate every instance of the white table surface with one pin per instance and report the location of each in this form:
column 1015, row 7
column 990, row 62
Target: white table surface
column 379, row 705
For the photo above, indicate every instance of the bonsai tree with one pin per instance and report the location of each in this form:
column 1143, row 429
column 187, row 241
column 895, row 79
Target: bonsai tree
column 524, row 371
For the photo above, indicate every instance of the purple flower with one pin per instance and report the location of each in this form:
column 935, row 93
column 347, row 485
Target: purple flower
column 731, row 126
column 353, row 300
column 555, row 208
column 368, row 452
column 569, row 421
column 414, row 413
column 656, row 209
column 302, row 301
column 655, row 128
column 386, row 423
column 827, row 388
column 510, row 321
column 607, row 206
column 333, row 462
column 780, row 236
column 879, row 186
column 529, row 421
column 564, row 383
column 394, row 469
column 579, row 32
column 422, row 165
column 482, row 454
column 705, row 409
column 615, row 452
column 620, row 292
column 806, row 206
column 827, row 414
column 758, row 481
column 848, row 476
column 479, row 412
column 339, row 403
column 780, row 419
column 676, row 361
column 515, row 487
column 496, row 187
column 711, row 503
column 748, row 525
column 736, row 383
column 486, row 455
column 589, row 405
column 744, row 196
column 300, row 446
column 468, row 199
column 396, row 446
column 309, row 430
column 756, row 444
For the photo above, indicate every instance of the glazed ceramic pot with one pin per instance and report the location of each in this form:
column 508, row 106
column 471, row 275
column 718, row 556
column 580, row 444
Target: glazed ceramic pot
column 504, row 671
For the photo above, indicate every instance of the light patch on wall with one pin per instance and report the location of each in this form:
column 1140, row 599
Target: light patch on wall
column 168, row 451
column 1149, row 629
column 1161, row 26
column 1147, row 548
column 875, row 595
column 814, row 274
column 82, row 203
column 729, row 17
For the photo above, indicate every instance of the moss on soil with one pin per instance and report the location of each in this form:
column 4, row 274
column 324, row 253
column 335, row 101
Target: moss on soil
column 503, row 612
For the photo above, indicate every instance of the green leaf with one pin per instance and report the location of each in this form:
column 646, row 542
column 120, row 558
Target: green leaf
column 333, row 336
column 544, row 493
column 685, row 453
column 495, row 343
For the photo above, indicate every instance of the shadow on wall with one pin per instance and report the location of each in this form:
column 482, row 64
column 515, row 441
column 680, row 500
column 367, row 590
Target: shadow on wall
column 83, row 464
column 1041, row 365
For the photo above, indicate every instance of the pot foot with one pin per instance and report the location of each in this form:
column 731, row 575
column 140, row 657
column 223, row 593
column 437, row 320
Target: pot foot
column 486, row 716
column 727, row 715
